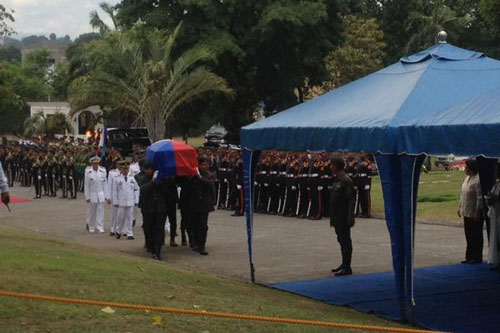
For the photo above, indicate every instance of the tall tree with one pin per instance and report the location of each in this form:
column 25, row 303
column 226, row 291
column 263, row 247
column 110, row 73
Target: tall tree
column 97, row 23
column 266, row 49
column 10, row 103
column 362, row 53
column 428, row 19
column 490, row 9
column 136, row 70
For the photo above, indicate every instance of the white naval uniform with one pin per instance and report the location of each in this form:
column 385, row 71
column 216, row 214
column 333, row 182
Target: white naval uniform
column 109, row 196
column 95, row 188
column 125, row 195
column 133, row 171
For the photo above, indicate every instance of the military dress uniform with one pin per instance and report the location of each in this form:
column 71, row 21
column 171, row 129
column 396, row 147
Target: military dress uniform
column 125, row 196
column 303, row 198
column 113, row 173
column 291, row 193
column 315, row 187
column 95, row 193
column 37, row 176
column 341, row 218
column 364, row 187
column 224, row 187
column 274, row 188
column 239, row 202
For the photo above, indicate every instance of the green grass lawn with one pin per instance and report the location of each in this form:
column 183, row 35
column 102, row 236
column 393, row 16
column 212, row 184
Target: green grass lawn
column 438, row 195
column 31, row 263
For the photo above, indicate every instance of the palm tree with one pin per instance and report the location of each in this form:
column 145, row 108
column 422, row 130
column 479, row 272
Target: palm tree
column 430, row 17
column 97, row 23
column 136, row 71
column 48, row 125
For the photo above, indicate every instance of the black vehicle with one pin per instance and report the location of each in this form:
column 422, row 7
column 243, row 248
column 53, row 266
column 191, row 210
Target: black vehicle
column 215, row 136
column 123, row 139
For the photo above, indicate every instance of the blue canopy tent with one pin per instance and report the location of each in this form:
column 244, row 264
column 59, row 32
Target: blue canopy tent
column 439, row 101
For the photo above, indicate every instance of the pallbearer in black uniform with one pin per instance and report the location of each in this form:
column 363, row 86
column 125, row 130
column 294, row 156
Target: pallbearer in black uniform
column 201, row 201
column 154, row 210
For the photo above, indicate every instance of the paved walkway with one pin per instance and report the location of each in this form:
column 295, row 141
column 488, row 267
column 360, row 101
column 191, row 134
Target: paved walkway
column 284, row 248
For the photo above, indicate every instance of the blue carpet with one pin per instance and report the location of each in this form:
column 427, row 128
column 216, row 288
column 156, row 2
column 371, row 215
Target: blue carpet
column 458, row 298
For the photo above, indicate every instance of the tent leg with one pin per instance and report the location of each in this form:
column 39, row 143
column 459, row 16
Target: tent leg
column 402, row 312
column 252, row 272
column 410, row 314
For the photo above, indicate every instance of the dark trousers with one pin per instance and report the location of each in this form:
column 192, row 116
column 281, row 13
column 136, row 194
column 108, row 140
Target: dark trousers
column 325, row 195
column 223, row 194
column 344, row 238
column 474, row 237
column 148, row 221
column 200, row 220
column 263, row 199
column 274, row 196
column 303, row 202
column 364, row 202
column 316, row 209
column 188, row 223
column 38, row 185
column 290, row 202
column 159, row 232
column 172, row 219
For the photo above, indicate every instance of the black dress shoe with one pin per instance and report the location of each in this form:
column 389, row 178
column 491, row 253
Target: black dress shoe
column 203, row 252
column 111, row 233
column 118, row 236
column 475, row 262
column 343, row 272
column 130, row 237
column 466, row 261
column 338, row 269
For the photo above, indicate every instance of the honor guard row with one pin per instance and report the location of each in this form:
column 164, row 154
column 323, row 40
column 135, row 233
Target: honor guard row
column 289, row 184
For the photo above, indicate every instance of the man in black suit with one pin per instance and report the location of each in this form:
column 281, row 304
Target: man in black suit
column 153, row 208
column 201, row 202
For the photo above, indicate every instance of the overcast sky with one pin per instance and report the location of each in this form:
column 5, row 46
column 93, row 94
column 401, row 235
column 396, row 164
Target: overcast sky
column 62, row 17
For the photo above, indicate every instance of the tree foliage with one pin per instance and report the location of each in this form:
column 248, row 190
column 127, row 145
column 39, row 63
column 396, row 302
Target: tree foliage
column 266, row 49
column 6, row 16
column 10, row 102
column 47, row 125
column 137, row 71
column 362, row 53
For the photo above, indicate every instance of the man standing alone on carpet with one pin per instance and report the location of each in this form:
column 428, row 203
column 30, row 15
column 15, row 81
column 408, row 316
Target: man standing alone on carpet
column 94, row 190
column 342, row 202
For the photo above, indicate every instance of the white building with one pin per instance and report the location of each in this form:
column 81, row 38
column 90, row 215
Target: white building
column 80, row 121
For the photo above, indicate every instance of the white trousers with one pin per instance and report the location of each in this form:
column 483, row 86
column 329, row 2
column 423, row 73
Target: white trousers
column 95, row 216
column 124, row 221
column 114, row 216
